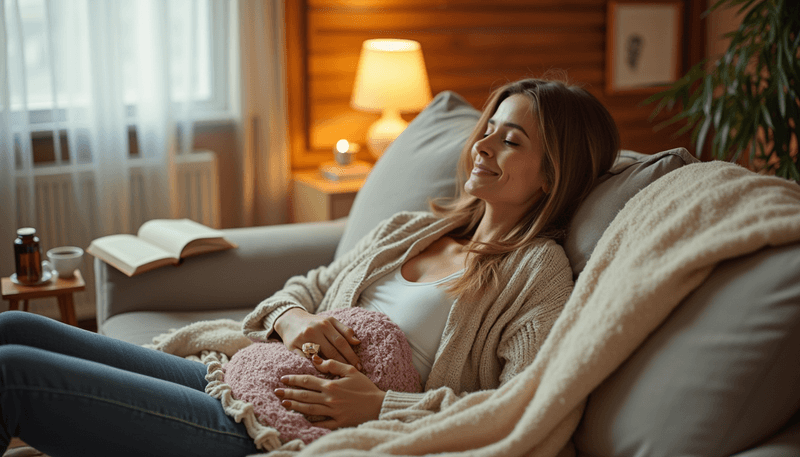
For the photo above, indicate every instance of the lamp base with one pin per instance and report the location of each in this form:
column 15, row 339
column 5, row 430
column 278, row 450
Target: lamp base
column 381, row 134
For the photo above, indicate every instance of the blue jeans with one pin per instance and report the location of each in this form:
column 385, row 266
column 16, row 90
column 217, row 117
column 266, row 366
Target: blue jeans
column 70, row 392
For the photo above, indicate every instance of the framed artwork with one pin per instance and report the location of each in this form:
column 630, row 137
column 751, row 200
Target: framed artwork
column 643, row 45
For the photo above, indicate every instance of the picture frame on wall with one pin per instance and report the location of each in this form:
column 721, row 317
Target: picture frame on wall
column 643, row 45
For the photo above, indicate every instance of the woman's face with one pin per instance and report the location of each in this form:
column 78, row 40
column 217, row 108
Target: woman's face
column 507, row 161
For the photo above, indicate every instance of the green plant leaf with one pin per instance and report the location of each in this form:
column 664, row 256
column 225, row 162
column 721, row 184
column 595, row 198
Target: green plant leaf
column 785, row 47
column 762, row 149
column 753, row 138
column 795, row 169
column 745, row 5
column 794, row 173
column 683, row 130
column 741, row 65
column 708, row 95
column 741, row 138
column 673, row 120
column 722, row 148
column 718, row 115
column 701, row 137
column 796, row 43
column 767, row 117
column 719, row 3
column 781, row 100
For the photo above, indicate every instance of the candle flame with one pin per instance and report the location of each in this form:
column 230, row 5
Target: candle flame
column 342, row 146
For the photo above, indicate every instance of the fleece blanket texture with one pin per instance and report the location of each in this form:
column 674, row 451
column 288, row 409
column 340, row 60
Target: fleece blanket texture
column 660, row 247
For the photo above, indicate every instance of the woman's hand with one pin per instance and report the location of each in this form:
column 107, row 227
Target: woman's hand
column 349, row 401
column 297, row 326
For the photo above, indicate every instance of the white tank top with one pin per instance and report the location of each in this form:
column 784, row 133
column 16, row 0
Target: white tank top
column 420, row 309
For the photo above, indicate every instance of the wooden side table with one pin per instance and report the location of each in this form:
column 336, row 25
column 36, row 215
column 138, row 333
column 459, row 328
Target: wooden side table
column 315, row 198
column 60, row 288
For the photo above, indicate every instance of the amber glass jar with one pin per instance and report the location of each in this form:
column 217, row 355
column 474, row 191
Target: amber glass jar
column 27, row 256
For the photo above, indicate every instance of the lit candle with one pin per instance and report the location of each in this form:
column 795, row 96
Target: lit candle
column 345, row 166
column 343, row 146
column 344, row 152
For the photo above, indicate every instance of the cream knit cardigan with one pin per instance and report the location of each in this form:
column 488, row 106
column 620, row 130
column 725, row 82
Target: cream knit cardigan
column 487, row 339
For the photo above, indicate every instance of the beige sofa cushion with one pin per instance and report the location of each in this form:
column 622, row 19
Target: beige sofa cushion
column 140, row 327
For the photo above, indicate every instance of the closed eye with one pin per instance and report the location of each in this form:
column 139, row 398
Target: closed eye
column 508, row 142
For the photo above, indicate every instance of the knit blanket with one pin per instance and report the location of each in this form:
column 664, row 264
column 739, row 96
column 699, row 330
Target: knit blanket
column 660, row 247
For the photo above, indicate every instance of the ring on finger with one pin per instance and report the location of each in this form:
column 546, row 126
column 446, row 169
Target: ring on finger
column 310, row 349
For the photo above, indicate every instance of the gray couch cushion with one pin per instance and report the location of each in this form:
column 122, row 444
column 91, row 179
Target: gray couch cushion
column 719, row 377
column 140, row 327
column 631, row 173
column 785, row 444
column 433, row 141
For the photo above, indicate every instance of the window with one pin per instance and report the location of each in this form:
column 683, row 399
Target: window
column 200, row 33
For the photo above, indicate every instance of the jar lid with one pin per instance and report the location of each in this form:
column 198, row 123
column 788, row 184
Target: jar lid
column 26, row 231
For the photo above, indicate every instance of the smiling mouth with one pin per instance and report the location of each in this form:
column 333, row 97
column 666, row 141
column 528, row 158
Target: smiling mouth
column 480, row 171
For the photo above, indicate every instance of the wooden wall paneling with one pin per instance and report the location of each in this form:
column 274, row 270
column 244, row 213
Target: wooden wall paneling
column 296, row 81
column 470, row 47
column 405, row 19
column 476, row 39
column 374, row 4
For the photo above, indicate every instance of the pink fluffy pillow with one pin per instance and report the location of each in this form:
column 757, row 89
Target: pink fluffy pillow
column 255, row 371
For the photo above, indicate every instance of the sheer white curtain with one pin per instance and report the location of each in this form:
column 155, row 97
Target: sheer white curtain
column 89, row 74
column 266, row 156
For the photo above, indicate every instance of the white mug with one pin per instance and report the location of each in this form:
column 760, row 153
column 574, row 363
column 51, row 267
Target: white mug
column 64, row 260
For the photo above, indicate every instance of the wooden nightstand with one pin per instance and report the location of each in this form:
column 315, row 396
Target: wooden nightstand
column 60, row 288
column 315, row 198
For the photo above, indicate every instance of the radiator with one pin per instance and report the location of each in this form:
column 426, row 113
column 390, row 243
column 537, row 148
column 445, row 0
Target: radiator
column 58, row 223
column 198, row 188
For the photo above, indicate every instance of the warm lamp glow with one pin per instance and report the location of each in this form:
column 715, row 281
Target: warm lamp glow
column 391, row 79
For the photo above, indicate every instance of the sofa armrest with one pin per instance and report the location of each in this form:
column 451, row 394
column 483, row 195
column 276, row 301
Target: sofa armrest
column 265, row 259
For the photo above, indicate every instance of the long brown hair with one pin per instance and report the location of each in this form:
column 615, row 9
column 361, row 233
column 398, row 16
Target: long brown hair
column 580, row 142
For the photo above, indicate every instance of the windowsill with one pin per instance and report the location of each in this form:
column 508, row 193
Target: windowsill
column 44, row 130
column 55, row 168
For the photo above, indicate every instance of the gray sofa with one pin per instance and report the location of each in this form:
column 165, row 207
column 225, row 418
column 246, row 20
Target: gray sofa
column 720, row 377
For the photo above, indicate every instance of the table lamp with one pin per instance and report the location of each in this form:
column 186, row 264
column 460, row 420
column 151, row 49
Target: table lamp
column 391, row 78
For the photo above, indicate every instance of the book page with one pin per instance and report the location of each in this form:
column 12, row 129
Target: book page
column 128, row 250
column 204, row 246
column 173, row 235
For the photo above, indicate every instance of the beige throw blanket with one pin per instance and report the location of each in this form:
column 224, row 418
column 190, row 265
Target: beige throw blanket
column 220, row 339
column 660, row 247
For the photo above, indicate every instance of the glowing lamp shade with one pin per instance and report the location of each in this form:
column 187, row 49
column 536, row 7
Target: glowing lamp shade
column 391, row 79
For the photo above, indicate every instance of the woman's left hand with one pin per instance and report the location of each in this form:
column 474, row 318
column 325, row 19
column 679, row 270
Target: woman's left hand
column 349, row 401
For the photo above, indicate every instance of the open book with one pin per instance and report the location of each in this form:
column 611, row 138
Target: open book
column 158, row 243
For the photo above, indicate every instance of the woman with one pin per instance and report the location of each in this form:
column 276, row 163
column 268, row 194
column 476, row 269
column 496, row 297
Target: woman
column 494, row 281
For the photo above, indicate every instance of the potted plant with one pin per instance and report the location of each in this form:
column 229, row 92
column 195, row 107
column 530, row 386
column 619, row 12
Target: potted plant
column 749, row 97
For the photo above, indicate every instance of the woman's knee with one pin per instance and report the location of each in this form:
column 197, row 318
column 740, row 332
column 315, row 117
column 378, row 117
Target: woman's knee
column 12, row 358
column 22, row 365
column 12, row 354
column 17, row 324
